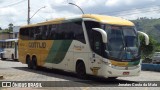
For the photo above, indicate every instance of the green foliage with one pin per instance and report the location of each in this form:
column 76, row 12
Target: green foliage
column 157, row 47
column 10, row 27
column 157, row 26
column 152, row 28
column 7, row 30
column 147, row 50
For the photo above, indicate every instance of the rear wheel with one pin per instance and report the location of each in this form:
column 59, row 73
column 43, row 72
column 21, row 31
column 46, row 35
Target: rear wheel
column 34, row 63
column 81, row 70
column 29, row 63
column 13, row 57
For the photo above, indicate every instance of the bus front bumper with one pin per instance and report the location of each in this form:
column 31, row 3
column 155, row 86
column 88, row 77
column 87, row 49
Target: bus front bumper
column 110, row 71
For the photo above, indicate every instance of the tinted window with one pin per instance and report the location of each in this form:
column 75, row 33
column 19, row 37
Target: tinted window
column 78, row 31
column 31, row 33
column 89, row 25
column 24, row 33
column 64, row 31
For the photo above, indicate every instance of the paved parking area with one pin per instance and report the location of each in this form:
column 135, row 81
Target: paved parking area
column 16, row 71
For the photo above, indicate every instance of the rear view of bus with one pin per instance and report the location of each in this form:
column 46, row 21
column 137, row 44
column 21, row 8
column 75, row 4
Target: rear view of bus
column 9, row 49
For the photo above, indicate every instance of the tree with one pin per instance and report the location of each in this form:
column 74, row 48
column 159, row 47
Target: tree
column 10, row 27
column 0, row 28
column 147, row 50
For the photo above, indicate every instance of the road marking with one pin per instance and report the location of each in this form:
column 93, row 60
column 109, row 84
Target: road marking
column 146, row 88
column 86, row 88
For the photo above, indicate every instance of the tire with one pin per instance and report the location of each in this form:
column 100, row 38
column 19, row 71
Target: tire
column 29, row 63
column 34, row 63
column 12, row 57
column 2, row 58
column 81, row 70
column 112, row 78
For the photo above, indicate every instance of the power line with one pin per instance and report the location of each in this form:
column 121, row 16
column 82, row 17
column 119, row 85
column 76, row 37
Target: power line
column 13, row 4
column 144, row 11
column 126, row 10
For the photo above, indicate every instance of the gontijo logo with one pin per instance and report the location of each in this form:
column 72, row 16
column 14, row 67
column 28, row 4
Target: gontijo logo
column 37, row 44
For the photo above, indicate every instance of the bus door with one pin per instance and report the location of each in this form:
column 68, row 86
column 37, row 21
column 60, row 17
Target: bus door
column 96, row 57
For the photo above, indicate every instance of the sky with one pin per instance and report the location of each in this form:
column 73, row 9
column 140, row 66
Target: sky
column 15, row 11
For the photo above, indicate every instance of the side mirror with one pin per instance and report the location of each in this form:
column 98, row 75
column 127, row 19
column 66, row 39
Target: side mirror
column 103, row 33
column 146, row 37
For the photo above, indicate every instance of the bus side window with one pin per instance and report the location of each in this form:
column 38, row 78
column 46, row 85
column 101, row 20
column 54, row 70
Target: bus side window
column 47, row 33
column 78, row 31
column 24, row 33
column 31, row 33
column 43, row 32
column 70, row 32
column 52, row 33
column 13, row 44
column 97, row 42
column 89, row 25
column 37, row 33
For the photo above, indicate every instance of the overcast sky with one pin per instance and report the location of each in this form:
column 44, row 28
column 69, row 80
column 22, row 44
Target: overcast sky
column 128, row 9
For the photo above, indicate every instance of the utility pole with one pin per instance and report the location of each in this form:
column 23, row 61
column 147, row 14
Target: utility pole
column 28, row 21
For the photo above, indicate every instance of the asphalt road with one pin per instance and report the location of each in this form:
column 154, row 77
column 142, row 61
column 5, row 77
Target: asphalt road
column 16, row 71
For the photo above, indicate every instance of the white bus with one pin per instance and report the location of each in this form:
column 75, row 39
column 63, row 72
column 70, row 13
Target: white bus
column 92, row 44
column 9, row 49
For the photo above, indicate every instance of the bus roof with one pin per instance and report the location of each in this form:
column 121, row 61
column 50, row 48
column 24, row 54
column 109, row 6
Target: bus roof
column 100, row 18
column 109, row 19
column 6, row 40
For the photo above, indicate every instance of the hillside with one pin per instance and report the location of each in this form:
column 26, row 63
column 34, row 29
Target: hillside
column 149, row 26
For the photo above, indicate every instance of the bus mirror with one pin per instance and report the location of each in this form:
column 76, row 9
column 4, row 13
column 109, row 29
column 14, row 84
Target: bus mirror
column 146, row 37
column 103, row 33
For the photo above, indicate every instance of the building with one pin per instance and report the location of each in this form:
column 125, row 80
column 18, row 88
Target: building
column 6, row 35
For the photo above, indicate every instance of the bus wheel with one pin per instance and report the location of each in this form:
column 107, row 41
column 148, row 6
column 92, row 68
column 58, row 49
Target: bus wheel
column 29, row 63
column 34, row 63
column 2, row 58
column 81, row 70
column 12, row 56
column 112, row 78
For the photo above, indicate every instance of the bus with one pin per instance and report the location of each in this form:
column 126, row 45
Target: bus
column 89, row 44
column 9, row 49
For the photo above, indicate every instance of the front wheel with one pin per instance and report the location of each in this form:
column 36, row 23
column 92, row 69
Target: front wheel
column 2, row 57
column 81, row 70
column 112, row 78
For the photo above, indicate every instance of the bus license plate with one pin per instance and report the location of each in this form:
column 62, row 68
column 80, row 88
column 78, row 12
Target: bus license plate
column 125, row 73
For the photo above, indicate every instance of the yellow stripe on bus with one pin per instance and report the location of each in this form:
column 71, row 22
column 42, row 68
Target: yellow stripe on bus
column 116, row 63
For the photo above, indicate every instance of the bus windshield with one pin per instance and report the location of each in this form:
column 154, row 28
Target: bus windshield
column 122, row 43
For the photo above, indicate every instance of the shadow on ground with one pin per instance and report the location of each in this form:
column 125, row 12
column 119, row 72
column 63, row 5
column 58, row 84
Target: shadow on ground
column 72, row 80
column 9, row 60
